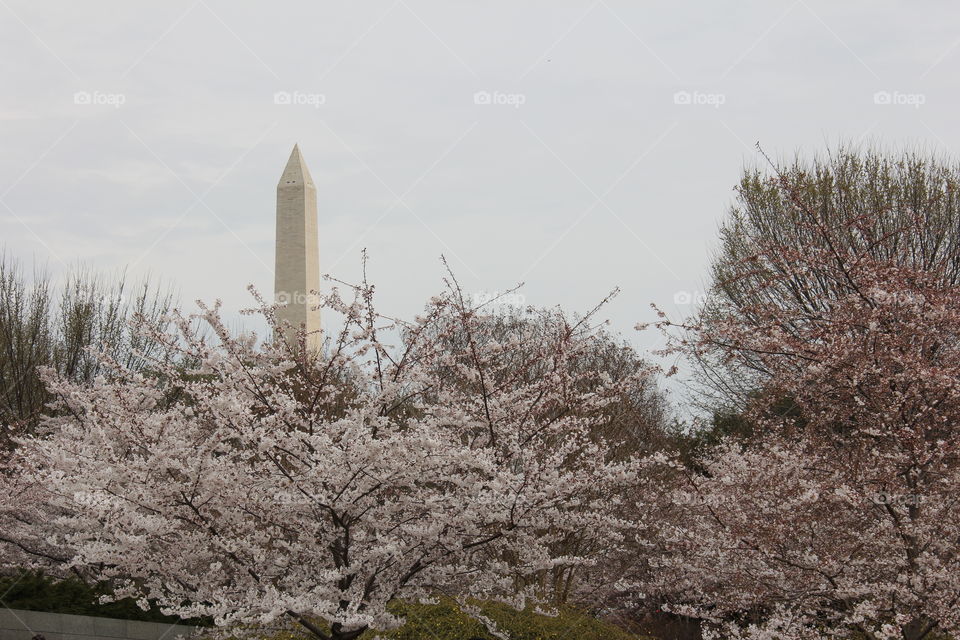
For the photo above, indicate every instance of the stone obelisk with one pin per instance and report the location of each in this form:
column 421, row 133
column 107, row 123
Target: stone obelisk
column 298, row 260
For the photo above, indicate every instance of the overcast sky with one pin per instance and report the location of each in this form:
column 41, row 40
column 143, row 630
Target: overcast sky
column 574, row 146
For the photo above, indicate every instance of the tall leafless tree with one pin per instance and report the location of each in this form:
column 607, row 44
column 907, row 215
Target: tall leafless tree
column 45, row 325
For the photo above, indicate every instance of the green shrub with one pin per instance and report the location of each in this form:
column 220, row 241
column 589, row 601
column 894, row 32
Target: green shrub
column 35, row 591
column 445, row 621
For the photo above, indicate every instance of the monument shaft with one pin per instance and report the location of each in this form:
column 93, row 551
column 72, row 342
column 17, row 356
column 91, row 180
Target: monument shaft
column 297, row 255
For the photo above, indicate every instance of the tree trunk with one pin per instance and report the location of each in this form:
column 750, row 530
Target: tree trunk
column 918, row 629
column 337, row 632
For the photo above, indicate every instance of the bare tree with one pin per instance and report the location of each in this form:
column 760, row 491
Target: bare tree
column 42, row 325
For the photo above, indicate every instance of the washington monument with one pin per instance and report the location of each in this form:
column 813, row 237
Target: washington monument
column 298, row 261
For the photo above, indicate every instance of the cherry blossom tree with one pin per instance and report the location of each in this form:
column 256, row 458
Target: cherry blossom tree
column 270, row 482
column 42, row 324
column 874, row 193
column 25, row 521
column 634, row 424
column 842, row 519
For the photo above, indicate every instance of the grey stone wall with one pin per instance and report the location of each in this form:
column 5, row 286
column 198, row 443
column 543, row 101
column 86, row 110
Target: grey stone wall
column 17, row 624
